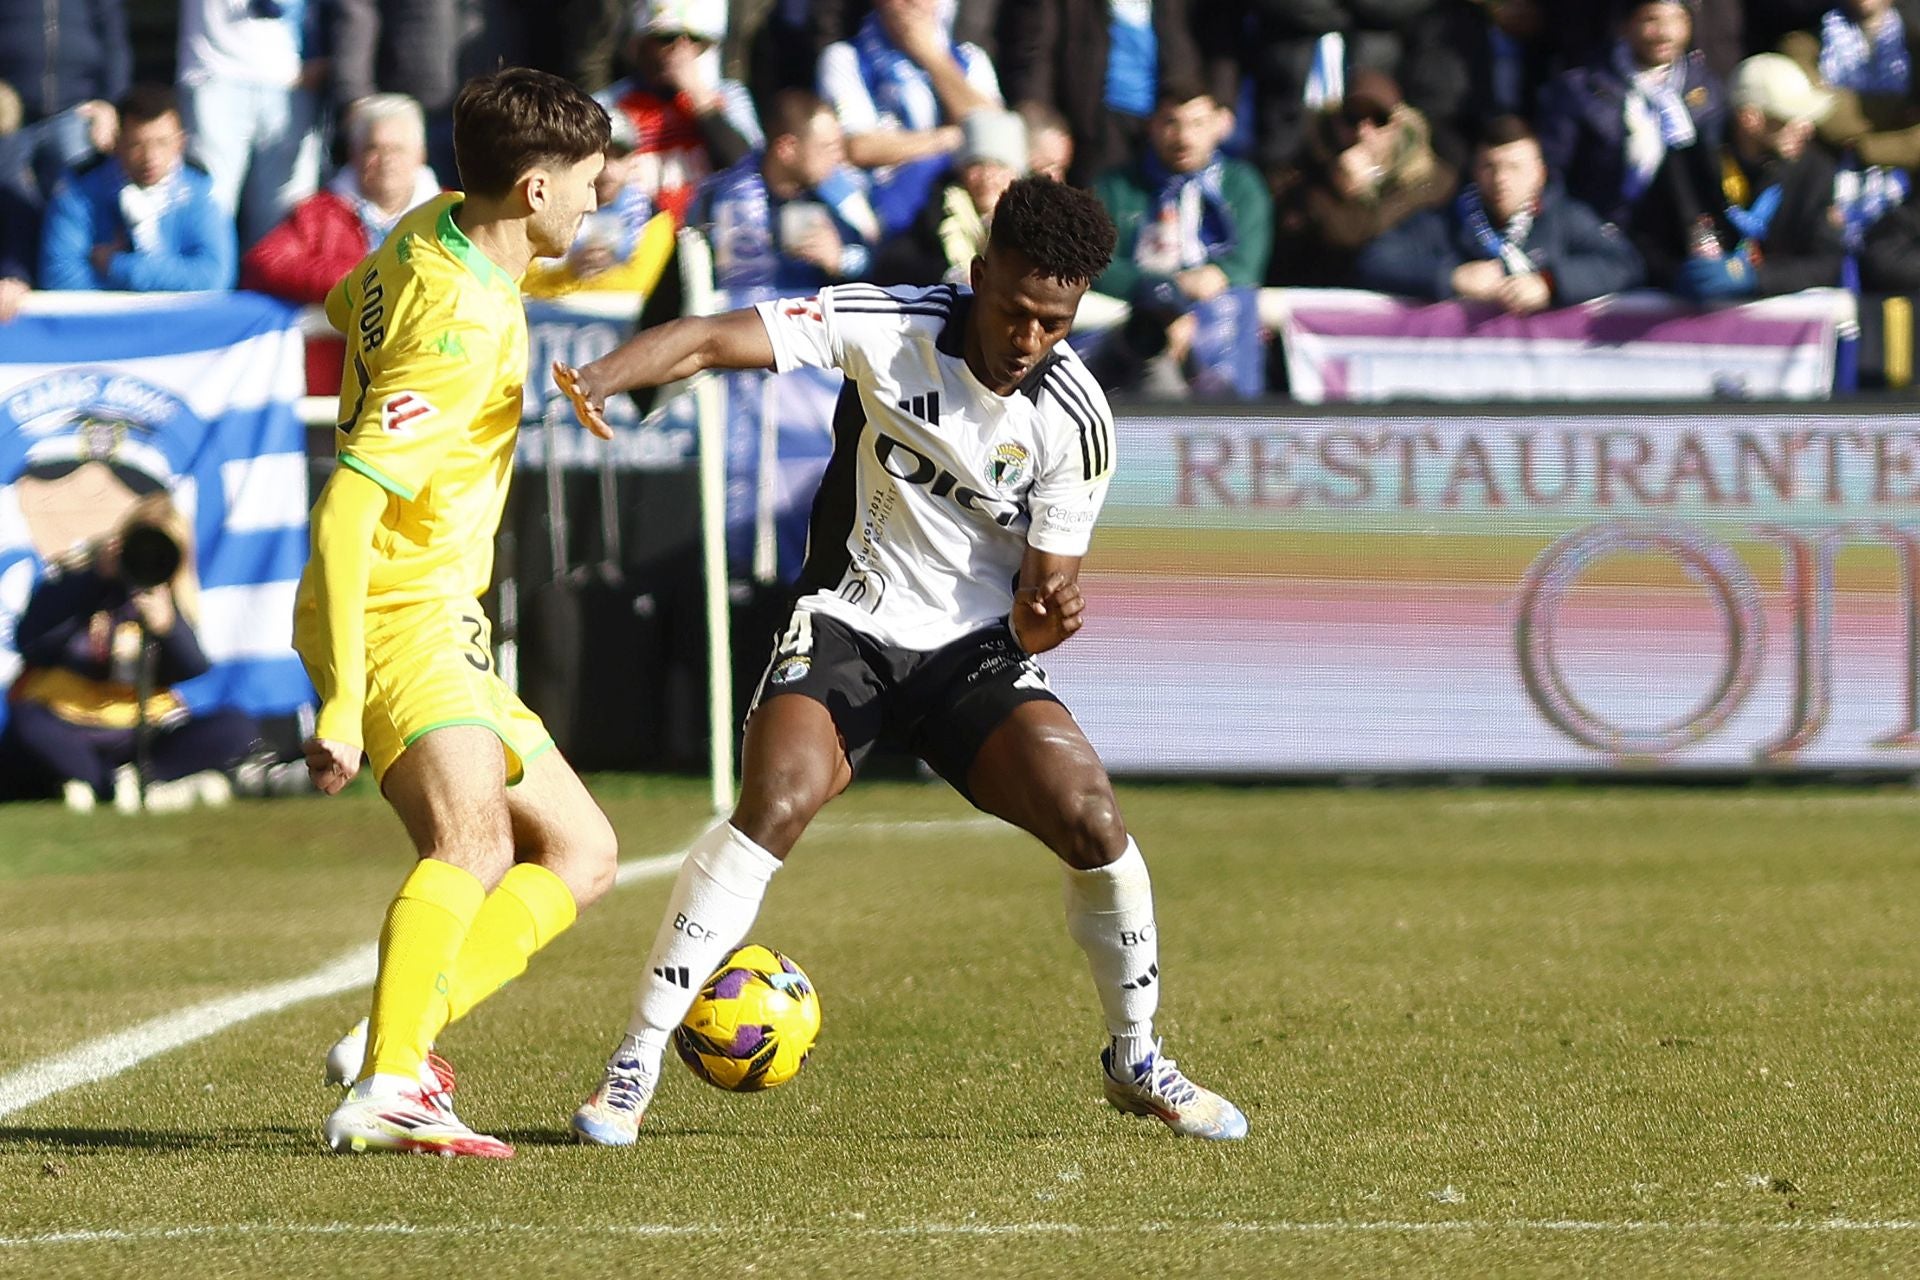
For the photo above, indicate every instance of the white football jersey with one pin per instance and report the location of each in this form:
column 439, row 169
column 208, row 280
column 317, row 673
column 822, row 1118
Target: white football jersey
column 936, row 485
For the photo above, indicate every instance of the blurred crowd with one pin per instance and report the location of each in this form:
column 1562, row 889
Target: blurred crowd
column 1519, row 153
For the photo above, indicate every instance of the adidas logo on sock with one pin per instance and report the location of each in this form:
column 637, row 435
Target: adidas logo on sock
column 1140, row 983
column 676, row 974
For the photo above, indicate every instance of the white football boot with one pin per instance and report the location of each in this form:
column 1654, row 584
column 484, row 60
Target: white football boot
column 409, row 1124
column 611, row 1115
column 349, row 1053
column 1156, row 1087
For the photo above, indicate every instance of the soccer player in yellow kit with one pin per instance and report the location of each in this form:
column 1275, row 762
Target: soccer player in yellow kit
column 387, row 621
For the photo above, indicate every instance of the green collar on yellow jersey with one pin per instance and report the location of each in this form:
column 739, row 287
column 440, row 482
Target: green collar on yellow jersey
column 485, row 269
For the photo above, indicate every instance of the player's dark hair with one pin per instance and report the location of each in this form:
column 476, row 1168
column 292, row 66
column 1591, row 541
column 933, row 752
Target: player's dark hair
column 1502, row 130
column 515, row 120
column 1063, row 231
column 793, row 110
column 1179, row 90
column 146, row 102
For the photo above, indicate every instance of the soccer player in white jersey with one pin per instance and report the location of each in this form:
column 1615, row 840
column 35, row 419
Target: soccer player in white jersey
column 972, row 452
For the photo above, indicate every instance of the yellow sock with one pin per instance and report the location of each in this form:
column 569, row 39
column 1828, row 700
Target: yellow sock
column 529, row 908
column 425, row 927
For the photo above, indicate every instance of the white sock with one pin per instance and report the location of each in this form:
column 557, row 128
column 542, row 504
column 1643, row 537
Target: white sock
column 384, row 1086
column 1110, row 914
column 714, row 901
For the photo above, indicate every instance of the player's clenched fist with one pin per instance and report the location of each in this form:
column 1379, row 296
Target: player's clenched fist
column 589, row 403
column 331, row 765
column 1045, row 615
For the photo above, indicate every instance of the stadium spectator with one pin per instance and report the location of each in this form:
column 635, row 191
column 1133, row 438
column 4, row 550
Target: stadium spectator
column 1369, row 166
column 248, row 94
column 1606, row 127
column 1864, row 52
column 1297, row 55
column 399, row 46
column 1581, row 31
column 89, row 628
column 17, row 250
column 386, row 174
column 1890, row 258
column 901, row 87
column 1511, row 238
column 144, row 219
column 1192, row 223
column 1100, row 62
column 951, row 230
column 687, row 120
column 796, row 216
column 623, row 245
column 19, row 219
column 69, row 60
column 1476, row 60
column 1050, row 151
column 1756, row 217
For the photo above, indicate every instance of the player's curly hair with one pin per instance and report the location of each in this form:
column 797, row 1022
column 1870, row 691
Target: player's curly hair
column 1062, row 230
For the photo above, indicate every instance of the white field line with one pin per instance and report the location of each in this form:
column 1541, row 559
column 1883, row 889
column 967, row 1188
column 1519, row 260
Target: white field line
column 1562, row 802
column 110, row 1055
column 843, row 1229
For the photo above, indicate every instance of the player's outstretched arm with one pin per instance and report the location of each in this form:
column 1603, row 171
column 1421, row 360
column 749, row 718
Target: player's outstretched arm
column 663, row 354
column 1047, row 605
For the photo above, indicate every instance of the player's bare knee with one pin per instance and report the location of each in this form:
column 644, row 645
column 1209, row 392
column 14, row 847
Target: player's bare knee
column 776, row 818
column 1091, row 832
column 589, row 864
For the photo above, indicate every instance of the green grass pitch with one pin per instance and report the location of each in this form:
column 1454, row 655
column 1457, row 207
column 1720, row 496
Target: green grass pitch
column 1617, row 1032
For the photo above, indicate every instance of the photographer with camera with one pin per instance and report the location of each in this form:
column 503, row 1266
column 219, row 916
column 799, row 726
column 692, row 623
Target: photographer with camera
column 104, row 638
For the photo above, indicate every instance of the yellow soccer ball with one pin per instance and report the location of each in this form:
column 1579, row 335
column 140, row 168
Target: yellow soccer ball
column 753, row 1023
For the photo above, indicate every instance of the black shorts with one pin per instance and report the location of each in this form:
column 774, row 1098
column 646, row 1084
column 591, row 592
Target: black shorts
column 941, row 705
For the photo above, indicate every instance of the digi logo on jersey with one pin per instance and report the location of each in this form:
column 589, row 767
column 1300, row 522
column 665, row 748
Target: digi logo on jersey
column 904, row 462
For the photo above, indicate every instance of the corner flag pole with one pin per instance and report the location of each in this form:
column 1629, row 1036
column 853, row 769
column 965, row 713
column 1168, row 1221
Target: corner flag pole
column 696, row 273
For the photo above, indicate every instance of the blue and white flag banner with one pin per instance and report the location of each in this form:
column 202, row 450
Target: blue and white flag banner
column 104, row 397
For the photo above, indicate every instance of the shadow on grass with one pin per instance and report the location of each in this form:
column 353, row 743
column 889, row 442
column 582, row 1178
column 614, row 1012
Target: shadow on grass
column 48, row 1140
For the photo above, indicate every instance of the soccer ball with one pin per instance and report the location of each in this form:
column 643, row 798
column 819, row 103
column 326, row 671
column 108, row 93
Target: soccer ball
column 752, row 1024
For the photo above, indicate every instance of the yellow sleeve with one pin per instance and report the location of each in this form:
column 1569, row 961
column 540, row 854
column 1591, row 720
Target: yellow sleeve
column 344, row 521
column 339, row 302
column 431, row 384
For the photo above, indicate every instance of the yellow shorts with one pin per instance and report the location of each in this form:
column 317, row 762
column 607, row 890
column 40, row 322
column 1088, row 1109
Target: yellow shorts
column 430, row 666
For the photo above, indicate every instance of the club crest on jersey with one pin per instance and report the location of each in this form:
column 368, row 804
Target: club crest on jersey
column 401, row 412
column 792, row 669
column 1008, row 466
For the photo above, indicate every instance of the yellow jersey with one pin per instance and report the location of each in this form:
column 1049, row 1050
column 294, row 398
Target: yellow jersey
column 430, row 403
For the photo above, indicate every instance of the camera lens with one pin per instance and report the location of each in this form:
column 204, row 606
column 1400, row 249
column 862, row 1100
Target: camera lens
column 148, row 555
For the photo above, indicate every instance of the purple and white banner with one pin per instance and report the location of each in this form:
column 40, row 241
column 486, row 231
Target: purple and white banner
column 1348, row 347
column 1373, row 594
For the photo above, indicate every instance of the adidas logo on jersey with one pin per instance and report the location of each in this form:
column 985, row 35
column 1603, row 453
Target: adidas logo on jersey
column 926, row 407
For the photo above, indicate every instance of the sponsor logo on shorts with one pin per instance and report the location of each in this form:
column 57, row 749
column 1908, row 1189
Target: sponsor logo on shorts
column 401, row 412
column 1031, row 677
column 792, row 669
column 1008, row 466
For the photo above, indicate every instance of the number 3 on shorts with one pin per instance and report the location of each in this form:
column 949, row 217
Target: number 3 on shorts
column 476, row 652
